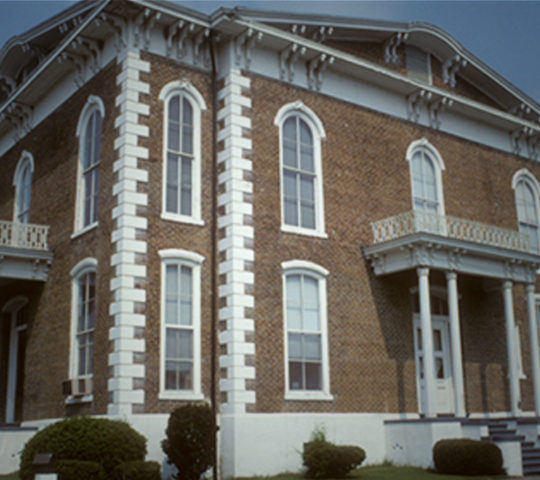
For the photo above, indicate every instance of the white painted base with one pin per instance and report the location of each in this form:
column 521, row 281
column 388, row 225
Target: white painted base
column 11, row 445
column 266, row 444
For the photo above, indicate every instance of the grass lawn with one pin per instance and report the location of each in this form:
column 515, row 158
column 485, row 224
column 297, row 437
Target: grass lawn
column 384, row 472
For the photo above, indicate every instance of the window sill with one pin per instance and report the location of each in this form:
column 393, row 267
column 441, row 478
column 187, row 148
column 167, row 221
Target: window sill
column 305, row 395
column 182, row 219
column 179, row 395
column 303, row 231
column 82, row 231
column 76, row 400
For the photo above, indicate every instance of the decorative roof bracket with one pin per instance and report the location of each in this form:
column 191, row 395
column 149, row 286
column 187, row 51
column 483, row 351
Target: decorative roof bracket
column 144, row 22
column 91, row 49
column 414, row 100
column 38, row 51
column 435, row 109
column 198, row 40
column 243, row 46
column 287, row 60
column 117, row 25
column 391, row 46
column 77, row 63
column 450, row 68
column 20, row 116
column 516, row 136
column 533, row 146
column 322, row 33
column 315, row 69
column 7, row 84
column 519, row 110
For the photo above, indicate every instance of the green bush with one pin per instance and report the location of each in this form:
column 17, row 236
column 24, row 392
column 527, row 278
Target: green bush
column 107, row 442
column 79, row 470
column 190, row 442
column 323, row 459
column 462, row 456
column 137, row 471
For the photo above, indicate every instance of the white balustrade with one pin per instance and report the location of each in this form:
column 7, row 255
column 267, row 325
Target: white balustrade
column 416, row 221
column 23, row 235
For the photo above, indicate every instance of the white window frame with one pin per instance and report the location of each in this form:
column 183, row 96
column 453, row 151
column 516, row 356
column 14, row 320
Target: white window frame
column 423, row 145
column 185, row 89
column 526, row 177
column 88, row 265
column 317, row 130
column 26, row 159
column 301, row 267
column 194, row 261
column 92, row 105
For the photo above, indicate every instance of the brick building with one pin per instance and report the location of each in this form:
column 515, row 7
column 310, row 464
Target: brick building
column 306, row 222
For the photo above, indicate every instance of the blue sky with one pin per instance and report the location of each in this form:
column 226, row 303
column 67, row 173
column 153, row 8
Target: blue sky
column 503, row 34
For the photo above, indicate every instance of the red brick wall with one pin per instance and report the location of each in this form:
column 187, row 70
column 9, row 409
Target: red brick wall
column 366, row 178
column 54, row 145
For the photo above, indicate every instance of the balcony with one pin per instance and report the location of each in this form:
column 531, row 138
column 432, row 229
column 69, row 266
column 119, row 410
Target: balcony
column 416, row 238
column 24, row 251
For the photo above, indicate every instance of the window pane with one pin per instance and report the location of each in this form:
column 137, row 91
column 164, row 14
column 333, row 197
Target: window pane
column 185, row 339
column 95, row 198
column 291, row 212
column 186, row 315
column 289, row 154
column 186, row 186
column 437, row 340
column 90, row 361
column 82, row 360
column 172, row 184
column 289, row 129
column 293, row 291
column 88, row 144
column 173, row 136
column 295, row 376
column 307, row 160
column 307, row 190
column 171, row 294
column 172, row 345
column 97, row 138
column 308, row 215
column 305, row 134
column 295, row 346
column 313, row 376
column 174, row 109
column 187, row 139
column 439, row 367
column 289, row 184
column 312, row 347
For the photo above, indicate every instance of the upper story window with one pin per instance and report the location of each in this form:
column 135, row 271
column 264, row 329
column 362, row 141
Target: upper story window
column 22, row 182
column 301, row 170
column 306, row 343
column 418, row 64
column 182, row 152
column 89, row 131
column 527, row 204
column 426, row 167
column 83, row 318
column 180, row 376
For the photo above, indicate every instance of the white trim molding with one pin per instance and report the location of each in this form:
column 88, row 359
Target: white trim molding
column 192, row 260
column 305, row 114
column 184, row 90
column 93, row 103
column 316, row 272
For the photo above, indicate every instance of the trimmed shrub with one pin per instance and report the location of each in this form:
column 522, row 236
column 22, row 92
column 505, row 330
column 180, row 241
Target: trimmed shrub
column 462, row 456
column 137, row 471
column 190, row 442
column 323, row 459
column 100, row 440
column 79, row 470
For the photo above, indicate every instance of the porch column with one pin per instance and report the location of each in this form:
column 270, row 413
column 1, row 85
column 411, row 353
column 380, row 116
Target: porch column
column 455, row 342
column 511, row 347
column 535, row 357
column 427, row 342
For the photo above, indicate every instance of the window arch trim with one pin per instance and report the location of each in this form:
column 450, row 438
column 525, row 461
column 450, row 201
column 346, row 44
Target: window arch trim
column 93, row 103
column 304, row 113
column 26, row 159
column 424, row 145
column 319, row 273
column 185, row 89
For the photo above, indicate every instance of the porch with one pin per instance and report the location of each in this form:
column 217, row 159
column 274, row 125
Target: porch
column 425, row 242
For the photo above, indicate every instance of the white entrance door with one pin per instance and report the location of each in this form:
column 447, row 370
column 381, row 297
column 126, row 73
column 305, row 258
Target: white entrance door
column 443, row 368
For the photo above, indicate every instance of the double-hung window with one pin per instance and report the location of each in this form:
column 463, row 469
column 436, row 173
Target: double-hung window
column 307, row 374
column 90, row 131
column 182, row 152
column 301, row 170
column 181, row 311
column 23, row 188
column 84, row 318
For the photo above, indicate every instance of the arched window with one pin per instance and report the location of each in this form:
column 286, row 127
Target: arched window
column 426, row 166
column 22, row 182
column 90, row 132
column 83, row 318
column 182, row 152
column 180, row 376
column 527, row 204
column 306, row 343
column 301, row 169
